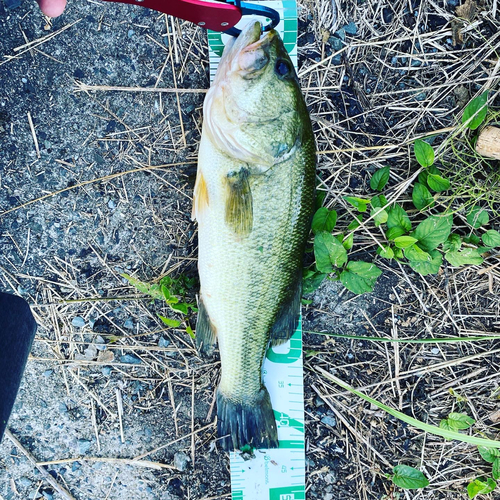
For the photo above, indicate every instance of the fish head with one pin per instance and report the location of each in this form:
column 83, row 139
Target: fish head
column 254, row 110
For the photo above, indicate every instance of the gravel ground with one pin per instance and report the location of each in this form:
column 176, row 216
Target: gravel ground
column 95, row 183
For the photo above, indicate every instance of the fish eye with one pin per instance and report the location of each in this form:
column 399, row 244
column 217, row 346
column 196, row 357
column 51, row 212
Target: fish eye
column 282, row 67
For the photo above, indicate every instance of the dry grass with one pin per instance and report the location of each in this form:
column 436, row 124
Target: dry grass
column 399, row 78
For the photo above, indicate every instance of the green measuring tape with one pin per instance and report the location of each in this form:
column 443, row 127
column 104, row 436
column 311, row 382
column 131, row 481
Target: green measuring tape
column 278, row 474
column 275, row 474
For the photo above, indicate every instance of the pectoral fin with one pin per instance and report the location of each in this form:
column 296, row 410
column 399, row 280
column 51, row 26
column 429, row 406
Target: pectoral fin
column 239, row 204
column 200, row 196
column 288, row 317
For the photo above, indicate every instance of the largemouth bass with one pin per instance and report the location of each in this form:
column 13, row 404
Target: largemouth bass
column 253, row 201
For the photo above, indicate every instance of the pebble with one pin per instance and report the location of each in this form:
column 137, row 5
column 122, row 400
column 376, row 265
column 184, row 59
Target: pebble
column 435, row 350
column 24, row 482
column 130, row 33
column 91, row 352
column 111, row 204
column 129, row 324
column 328, row 420
column 100, row 343
column 83, row 446
column 106, row 371
column 163, row 342
column 78, row 321
column 131, row 359
column 181, row 461
column 48, row 373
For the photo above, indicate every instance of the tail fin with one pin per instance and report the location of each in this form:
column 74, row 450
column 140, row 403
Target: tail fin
column 246, row 423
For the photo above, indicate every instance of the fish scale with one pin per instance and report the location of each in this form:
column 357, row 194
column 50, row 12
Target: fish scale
column 282, row 201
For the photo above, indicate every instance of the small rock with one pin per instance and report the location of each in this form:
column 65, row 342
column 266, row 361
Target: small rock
column 328, row 420
column 329, row 478
column 78, row 321
column 24, row 482
column 163, row 342
column 91, row 352
column 106, row 371
column 181, row 460
column 111, row 204
column 129, row 324
column 131, row 359
column 100, row 343
column 435, row 350
column 83, row 446
column 48, row 373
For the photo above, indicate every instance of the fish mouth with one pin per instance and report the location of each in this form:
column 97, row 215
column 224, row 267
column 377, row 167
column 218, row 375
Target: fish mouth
column 251, row 49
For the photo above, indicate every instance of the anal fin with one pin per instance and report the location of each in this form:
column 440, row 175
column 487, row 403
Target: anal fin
column 206, row 334
column 287, row 318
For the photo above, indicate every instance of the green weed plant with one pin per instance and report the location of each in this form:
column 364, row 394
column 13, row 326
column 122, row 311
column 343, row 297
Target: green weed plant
column 421, row 244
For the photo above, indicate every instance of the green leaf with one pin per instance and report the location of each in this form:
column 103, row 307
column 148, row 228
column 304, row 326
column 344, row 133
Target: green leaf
column 360, row 277
column 324, row 220
column 398, row 254
column 311, row 281
column 491, row 238
column 172, row 323
column 180, row 307
column 348, row 242
column 473, row 239
column 397, row 216
column 438, row 183
column 386, row 252
column 476, row 111
column 423, row 153
column 422, row 177
column 433, row 231
column 329, row 252
column 428, row 267
column 394, row 232
column 489, row 454
column 496, row 469
column 477, row 217
column 360, row 203
column 421, row 196
column 409, row 478
column 457, row 421
column 190, row 332
column 380, row 178
column 454, row 242
column 405, row 241
column 320, row 198
column 466, row 256
column 379, row 216
column 480, row 487
column 358, row 219
column 379, row 201
column 415, row 254
column 154, row 291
